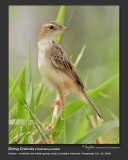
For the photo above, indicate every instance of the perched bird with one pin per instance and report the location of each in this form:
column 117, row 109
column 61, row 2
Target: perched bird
column 56, row 68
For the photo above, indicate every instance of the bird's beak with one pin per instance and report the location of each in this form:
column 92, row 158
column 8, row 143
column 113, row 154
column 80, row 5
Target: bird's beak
column 64, row 28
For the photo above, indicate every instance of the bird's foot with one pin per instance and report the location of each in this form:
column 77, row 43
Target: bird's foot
column 49, row 126
column 56, row 102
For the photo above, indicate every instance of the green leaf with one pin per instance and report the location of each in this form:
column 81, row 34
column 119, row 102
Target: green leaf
column 19, row 121
column 70, row 17
column 113, row 116
column 62, row 137
column 17, row 138
column 81, row 123
column 45, row 95
column 30, row 100
column 104, row 95
column 14, row 133
column 61, row 14
column 11, row 81
column 67, row 23
column 19, row 97
column 116, row 140
column 30, row 93
column 25, row 141
column 12, row 110
column 101, row 87
column 72, row 107
column 27, row 119
column 26, row 127
column 15, row 84
column 93, row 134
column 38, row 94
column 47, row 120
column 80, row 56
column 20, row 108
column 60, row 19
column 57, row 129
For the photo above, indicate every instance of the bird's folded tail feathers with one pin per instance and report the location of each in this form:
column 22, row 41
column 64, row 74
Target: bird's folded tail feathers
column 92, row 104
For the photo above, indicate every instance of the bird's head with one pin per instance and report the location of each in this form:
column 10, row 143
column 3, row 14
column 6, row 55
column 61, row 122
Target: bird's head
column 50, row 30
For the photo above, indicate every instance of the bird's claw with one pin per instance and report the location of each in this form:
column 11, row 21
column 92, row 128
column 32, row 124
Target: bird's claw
column 49, row 126
column 56, row 102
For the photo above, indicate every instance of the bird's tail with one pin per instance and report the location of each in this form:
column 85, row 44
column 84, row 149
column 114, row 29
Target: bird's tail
column 92, row 104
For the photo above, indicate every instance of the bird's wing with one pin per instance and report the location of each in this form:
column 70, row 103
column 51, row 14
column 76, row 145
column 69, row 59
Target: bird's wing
column 60, row 60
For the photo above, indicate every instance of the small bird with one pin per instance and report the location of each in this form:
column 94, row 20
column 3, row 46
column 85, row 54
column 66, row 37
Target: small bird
column 57, row 70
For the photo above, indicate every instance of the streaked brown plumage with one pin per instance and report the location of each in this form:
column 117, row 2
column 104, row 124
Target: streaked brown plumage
column 56, row 68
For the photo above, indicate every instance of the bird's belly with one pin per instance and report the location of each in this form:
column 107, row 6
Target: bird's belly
column 52, row 76
column 48, row 72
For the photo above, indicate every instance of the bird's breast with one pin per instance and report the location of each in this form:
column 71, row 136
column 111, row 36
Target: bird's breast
column 46, row 68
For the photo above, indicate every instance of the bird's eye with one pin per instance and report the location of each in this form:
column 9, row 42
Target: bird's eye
column 51, row 27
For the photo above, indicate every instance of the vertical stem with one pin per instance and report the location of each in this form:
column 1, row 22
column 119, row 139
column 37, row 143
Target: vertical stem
column 93, row 125
column 55, row 111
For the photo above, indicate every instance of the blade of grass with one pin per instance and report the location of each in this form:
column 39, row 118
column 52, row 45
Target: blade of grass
column 80, row 56
column 43, row 100
column 72, row 107
column 13, row 125
column 15, row 84
column 14, row 133
column 60, row 19
column 101, row 87
column 20, row 98
column 18, row 138
column 81, row 123
column 62, row 137
column 104, row 95
column 26, row 127
column 20, row 109
column 30, row 100
column 38, row 94
column 12, row 111
column 68, row 21
column 71, row 15
column 93, row 134
column 113, row 116
column 57, row 129
column 30, row 97
column 19, row 121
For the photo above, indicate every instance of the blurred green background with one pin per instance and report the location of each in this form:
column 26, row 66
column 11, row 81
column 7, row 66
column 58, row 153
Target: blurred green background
column 95, row 26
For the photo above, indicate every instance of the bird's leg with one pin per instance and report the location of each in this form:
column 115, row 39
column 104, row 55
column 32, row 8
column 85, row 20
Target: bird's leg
column 49, row 126
column 61, row 109
column 62, row 101
column 57, row 101
column 67, row 95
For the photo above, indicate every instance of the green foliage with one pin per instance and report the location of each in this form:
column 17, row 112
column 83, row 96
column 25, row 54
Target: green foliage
column 60, row 19
column 24, row 124
column 93, row 134
column 13, row 87
column 79, row 56
column 57, row 129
